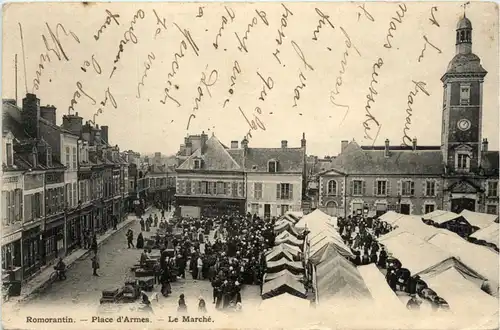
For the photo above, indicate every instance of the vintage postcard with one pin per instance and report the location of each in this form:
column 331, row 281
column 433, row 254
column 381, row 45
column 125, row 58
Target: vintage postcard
column 233, row 165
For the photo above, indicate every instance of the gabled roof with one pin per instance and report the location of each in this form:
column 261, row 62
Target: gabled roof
column 58, row 128
column 289, row 159
column 215, row 158
column 361, row 160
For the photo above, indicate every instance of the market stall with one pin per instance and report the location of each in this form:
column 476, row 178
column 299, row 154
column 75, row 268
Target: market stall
column 283, row 284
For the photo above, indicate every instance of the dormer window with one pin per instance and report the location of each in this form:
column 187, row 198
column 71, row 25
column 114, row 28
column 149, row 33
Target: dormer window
column 272, row 166
column 49, row 157
column 8, row 149
column 464, row 94
column 197, row 164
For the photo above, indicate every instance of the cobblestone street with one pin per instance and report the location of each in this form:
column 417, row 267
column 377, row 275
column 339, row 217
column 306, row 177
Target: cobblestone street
column 82, row 289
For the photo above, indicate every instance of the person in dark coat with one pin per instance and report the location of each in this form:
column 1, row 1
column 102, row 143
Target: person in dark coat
column 166, row 288
column 93, row 246
column 95, row 264
column 382, row 258
column 142, row 224
column 182, row 308
column 412, row 284
column 130, row 238
column 140, row 241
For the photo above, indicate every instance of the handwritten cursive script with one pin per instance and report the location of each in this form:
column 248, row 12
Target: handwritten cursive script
column 419, row 86
column 225, row 21
column 147, row 67
column 322, row 22
column 392, row 25
column 243, row 41
column 109, row 19
column 370, row 98
column 55, row 48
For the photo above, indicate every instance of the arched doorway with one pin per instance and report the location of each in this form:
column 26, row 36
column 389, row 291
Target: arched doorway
column 331, row 208
column 460, row 204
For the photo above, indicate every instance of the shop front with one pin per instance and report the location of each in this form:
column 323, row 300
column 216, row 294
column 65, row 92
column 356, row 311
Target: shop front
column 11, row 257
column 212, row 207
column 73, row 231
column 53, row 238
column 32, row 246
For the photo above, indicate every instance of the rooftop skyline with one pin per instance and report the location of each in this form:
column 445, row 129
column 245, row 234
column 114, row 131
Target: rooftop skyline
column 313, row 65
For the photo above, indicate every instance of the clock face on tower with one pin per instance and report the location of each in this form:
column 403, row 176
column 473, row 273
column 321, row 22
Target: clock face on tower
column 463, row 124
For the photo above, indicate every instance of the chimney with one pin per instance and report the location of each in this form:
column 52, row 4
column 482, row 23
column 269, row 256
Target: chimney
column 188, row 148
column 386, row 150
column 73, row 123
column 343, row 145
column 303, row 141
column 96, row 132
column 204, row 139
column 284, row 144
column 234, row 144
column 244, row 143
column 485, row 145
column 48, row 112
column 104, row 134
column 414, row 144
column 30, row 115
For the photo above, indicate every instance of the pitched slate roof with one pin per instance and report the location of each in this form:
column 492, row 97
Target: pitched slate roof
column 357, row 160
column 289, row 159
column 489, row 162
column 215, row 158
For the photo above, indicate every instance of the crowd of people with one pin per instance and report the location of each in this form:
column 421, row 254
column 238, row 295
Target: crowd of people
column 232, row 257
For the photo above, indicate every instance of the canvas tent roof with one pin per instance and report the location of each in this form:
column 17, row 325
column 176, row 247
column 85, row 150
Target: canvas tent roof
column 380, row 290
column 417, row 228
column 271, row 276
column 314, row 218
column 286, row 237
column 295, row 251
column 405, row 219
column 464, row 298
column 390, row 217
column 294, row 267
column 479, row 258
column 287, row 226
column 440, row 216
column 295, row 215
column 338, row 278
column 283, row 284
column 285, row 301
column 488, row 234
column 479, row 220
column 320, row 243
column 421, row 257
column 277, row 254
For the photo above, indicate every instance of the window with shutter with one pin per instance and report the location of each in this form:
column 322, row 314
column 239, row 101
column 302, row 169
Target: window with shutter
column 351, row 187
column 363, row 183
column 375, row 186
column 5, row 207
column 291, row 191
column 278, row 191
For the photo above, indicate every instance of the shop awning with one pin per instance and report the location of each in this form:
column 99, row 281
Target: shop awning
column 488, row 234
column 292, row 249
column 271, row 276
column 277, row 254
column 294, row 267
column 440, row 216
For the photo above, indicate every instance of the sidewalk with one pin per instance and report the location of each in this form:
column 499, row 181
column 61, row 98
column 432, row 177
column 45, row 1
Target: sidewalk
column 40, row 281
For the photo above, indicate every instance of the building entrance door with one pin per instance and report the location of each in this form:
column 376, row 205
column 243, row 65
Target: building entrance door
column 267, row 211
column 460, row 204
column 405, row 209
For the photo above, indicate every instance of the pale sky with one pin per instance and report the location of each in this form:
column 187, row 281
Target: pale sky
column 147, row 125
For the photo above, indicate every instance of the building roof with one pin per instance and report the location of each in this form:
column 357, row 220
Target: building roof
column 464, row 23
column 465, row 63
column 289, row 159
column 357, row 160
column 54, row 126
column 214, row 156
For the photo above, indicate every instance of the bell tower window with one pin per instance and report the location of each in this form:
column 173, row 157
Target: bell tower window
column 464, row 94
column 462, row 161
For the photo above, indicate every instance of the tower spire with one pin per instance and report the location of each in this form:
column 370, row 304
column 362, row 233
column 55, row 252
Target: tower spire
column 465, row 7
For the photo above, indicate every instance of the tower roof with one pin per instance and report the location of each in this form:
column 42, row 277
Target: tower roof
column 464, row 23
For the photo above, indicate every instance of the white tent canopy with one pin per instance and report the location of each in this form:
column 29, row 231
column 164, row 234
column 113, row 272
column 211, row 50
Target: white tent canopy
column 315, row 218
column 419, row 229
column 379, row 289
column 421, row 257
column 286, row 237
column 292, row 249
column 440, row 216
column 285, row 301
column 320, row 242
column 466, row 300
column 488, row 234
column 390, row 217
column 479, row 258
column 479, row 220
column 271, row 276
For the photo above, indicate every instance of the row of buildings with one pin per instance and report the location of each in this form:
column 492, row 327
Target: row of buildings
column 460, row 173
column 60, row 181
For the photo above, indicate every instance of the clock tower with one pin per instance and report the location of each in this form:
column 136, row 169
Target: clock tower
column 462, row 105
